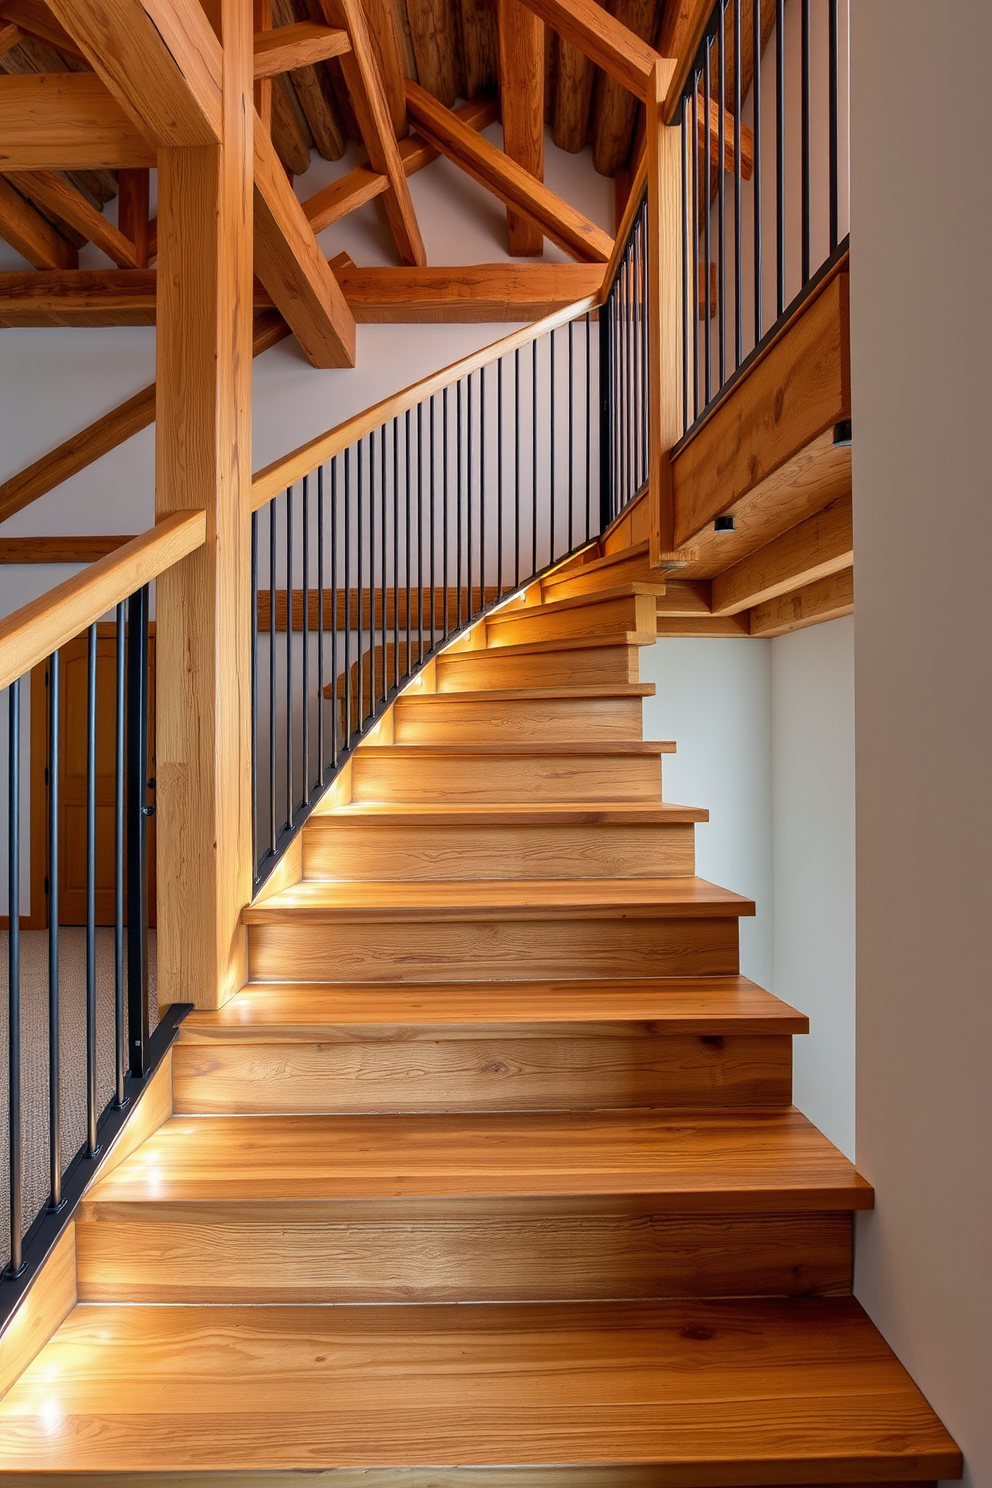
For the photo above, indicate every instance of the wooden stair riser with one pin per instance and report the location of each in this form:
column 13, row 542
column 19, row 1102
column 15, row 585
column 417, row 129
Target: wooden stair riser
column 633, row 612
column 345, row 848
column 512, row 1251
column 632, row 568
column 445, row 720
column 510, row 950
column 468, row 671
column 504, row 1073
column 424, row 778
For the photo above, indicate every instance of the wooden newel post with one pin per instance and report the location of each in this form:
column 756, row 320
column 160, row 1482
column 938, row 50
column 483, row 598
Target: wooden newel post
column 664, row 176
column 203, row 459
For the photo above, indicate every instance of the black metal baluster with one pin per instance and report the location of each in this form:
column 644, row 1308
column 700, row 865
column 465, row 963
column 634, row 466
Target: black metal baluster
column 305, row 668
column 551, row 453
column 694, row 206
column 273, row 832
column 289, row 659
column 834, row 46
column 255, row 855
column 571, row 429
column 588, row 320
column 721, row 176
column 396, row 556
column 499, row 479
column 780, row 155
column 360, row 593
column 55, row 1200
column 686, row 273
column 444, row 525
column 482, row 488
column 605, row 416
column 91, row 1091
column 707, row 204
column 516, row 468
column 336, row 703
column 406, row 541
column 321, row 683
column 756, row 168
column 805, row 100
column 431, row 498
column 138, row 812
column 420, row 532
column 533, row 530
column 384, row 526
column 373, row 693
column 738, row 274
column 346, row 586
column 14, row 1140
column 120, row 1037
column 468, row 495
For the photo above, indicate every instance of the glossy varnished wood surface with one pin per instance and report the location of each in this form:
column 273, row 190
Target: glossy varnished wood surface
column 706, row 1006
column 514, row 899
column 725, row 1393
column 687, row 1160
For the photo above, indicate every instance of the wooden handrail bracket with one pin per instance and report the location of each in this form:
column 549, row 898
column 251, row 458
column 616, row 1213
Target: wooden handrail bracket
column 41, row 627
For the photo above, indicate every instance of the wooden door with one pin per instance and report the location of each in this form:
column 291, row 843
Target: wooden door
column 72, row 776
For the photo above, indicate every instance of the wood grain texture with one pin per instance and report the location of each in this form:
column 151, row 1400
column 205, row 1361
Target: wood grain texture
column 44, row 1307
column 605, row 40
column 475, row 292
column 290, row 264
column 798, row 390
column 58, row 549
column 473, row 719
column 515, row 186
column 508, row 1252
column 521, row 74
column 507, row 668
column 689, row 1161
column 298, row 45
column 43, row 625
column 385, row 22
column 159, row 58
column 78, row 297
column 493, row 1073
column 827, row 599
column 585, row 615
column 27, row 231
column 601, row 773
column 812, row 550
column 839, row 1398
column 664, row 164
column 34, row 18
column 66, row 121
column 514, row 950
column 615, row 108
column 152, row 1111
column 350, row 848
column 71, row 206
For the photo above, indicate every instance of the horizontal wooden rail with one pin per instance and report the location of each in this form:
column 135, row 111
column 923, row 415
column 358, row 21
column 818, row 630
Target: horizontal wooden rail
column 282, row 473
column 41, row 627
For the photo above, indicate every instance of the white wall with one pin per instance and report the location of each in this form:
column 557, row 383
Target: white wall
column 812, row 734
column 714, row 700
column 765, row 735
column 921, row 329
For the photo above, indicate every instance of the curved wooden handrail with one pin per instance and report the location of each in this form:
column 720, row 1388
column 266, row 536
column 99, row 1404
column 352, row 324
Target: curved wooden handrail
column 41, row 627
column 283, row 472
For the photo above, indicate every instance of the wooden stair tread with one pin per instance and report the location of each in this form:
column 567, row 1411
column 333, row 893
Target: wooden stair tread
column 626, row 898
column 593, row 565
column 550, row 606
column 557, row 643
column 686, row 1160
column 524, row 694
column 703, row 1006
column 728, row 1393
column 628, row 813
column 566, row 747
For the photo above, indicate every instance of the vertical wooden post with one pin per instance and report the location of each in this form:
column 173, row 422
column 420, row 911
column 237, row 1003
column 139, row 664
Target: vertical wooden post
column 664, row 174
column 203, row 459
column 521, row 71
column 262, row 15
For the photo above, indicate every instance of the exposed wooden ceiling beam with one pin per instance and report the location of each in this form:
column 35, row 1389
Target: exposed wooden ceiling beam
column 364, row 184
column 106, row 433
column 25, row 229
column 816, row 548
column 361, row 73
column 66, row 121
column 521, row 77
column 79, row 297
column 480, row 292
column 289, row 47
column 35, row 18
column 682, row 30
column 66, row 202
column 510, row 182
column 9, row 38
column 159, row 58
column 605, row 40
column 383, row 17
column 290, row 264
column 827, row 599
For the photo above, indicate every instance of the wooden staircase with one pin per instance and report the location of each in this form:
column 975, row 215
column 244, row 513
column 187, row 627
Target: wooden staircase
column 496, row 1052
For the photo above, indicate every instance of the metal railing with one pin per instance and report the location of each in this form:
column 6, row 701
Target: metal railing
column 624, row 351
column 391, row 535
column 77, row 796
column 765, row 181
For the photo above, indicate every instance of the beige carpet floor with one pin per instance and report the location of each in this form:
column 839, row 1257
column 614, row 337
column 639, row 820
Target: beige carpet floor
column 72, row 1050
